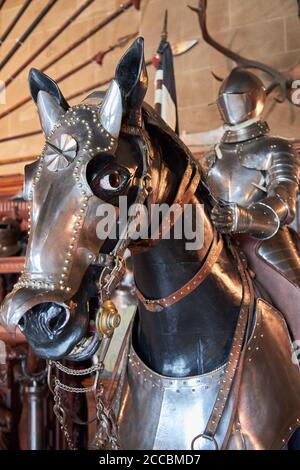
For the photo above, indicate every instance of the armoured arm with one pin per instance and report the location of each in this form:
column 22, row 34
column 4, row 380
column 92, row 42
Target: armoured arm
column 263, row 219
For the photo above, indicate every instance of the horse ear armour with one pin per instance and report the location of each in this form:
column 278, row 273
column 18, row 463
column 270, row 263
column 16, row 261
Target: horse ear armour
column 132, row 77
column 49, row 100
column 111, row 110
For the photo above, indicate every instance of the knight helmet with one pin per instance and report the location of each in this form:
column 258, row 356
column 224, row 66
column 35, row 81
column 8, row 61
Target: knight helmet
column 241, row 98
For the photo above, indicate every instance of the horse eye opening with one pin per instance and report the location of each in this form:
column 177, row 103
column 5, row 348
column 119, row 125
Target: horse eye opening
column 115, row 180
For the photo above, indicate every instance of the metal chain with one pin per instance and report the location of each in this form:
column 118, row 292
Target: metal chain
column 60, row 414
column 97, row 367
column 69, row 388
column 106, row 434
column 107, row 431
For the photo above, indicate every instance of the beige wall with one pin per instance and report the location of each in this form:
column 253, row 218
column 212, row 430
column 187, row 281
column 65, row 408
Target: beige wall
column 268, row 30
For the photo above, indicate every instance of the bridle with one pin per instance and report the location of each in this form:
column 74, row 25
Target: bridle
column 107, row 318
column 113, row 264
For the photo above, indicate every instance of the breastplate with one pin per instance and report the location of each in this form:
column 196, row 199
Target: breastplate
column 156, row 405
column 163, row 413
column 230, row 180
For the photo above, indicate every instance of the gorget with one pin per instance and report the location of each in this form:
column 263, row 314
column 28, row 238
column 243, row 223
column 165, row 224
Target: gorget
column 241, row 134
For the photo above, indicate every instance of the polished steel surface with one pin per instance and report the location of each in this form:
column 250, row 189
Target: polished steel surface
column 282, row 253
column 51, row 275
column 241, row 97
column 230, row 181
column 154, row 403
column 159, row 412
column 49, row 111
column 111, row 110
column 60, row 152
column 254, row 184
column 251, row 129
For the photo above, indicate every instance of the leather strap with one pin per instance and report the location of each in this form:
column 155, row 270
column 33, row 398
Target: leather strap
column 187, row 188
column 184, row 194
column 234, row 363
column 158, row 305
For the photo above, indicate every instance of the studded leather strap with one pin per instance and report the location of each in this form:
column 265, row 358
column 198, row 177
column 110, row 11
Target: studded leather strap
column 159, row 304
column 234, row 364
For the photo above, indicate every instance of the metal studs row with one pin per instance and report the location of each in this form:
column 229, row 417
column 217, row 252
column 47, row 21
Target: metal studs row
column 25, row 282
column 292, row 428
column 147, row 376
column 72, row 117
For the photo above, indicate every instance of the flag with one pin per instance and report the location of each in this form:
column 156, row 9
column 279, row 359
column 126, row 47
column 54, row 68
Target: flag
column 165, row 101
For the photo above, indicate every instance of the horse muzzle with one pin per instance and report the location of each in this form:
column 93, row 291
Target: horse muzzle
column 54, row 328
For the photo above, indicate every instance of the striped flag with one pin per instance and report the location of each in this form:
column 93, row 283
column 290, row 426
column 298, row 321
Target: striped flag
column 165, row 101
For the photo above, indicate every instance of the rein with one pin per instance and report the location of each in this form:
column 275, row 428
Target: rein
column 234, row 367
column 158, row 305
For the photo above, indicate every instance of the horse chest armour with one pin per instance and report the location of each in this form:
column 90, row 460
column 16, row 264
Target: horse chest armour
column 172, row 411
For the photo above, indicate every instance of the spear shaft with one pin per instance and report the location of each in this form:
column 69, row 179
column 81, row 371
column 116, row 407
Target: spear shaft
column 14, row 21
column 97, row 58
column 27, row 33
column 47, row 43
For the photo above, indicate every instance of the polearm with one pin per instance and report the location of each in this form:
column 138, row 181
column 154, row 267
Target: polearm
column 47, row 43
column 97, row 28
column 68, row 98
column 97, row 58
column 27, row 33
column 91, row 33
column 178, row 49
column 15, row 21
column 13, row 161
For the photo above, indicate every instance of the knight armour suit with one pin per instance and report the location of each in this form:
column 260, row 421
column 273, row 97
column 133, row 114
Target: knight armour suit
column 253, row 179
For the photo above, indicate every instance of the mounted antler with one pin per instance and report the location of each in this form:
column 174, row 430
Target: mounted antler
column 278, row 78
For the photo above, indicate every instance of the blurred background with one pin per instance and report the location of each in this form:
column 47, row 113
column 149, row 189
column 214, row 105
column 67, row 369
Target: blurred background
column 268, row 31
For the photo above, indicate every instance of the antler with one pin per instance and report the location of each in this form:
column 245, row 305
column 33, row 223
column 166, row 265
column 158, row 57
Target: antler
column 279, row 80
